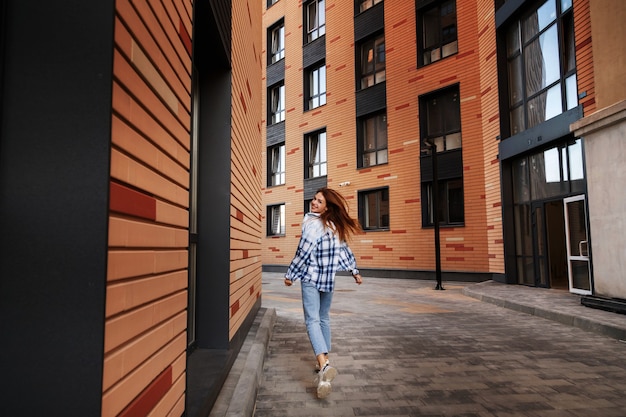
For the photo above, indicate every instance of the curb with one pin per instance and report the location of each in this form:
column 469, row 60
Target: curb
column 242, row 400
column 583, row 323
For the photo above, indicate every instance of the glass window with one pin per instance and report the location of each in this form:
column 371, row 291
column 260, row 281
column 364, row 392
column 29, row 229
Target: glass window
column 450, row 204
column 521, row 187
column 367, row 4
column 277, row 43
column 374, row 209
column 277, row 104
column 541, row 57
column 442, row 116
column 276, row 220
column 315, row 19
column 316, row 154
column 553, row 172
column 373, row 61
column 316, row 86
column 438, row 28
column 372, row 146
column 276, row 165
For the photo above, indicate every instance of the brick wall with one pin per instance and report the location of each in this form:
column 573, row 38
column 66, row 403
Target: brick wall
column 246, row 174
column 145, row 338
column 476, row 247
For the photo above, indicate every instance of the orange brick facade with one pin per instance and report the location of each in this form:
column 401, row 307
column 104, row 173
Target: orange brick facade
column 147, row 280
column 475, row 247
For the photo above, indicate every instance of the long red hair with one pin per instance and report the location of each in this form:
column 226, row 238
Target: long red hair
column 336, row 215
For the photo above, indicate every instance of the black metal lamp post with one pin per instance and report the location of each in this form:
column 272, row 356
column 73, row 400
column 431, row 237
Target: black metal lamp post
column 435, row 208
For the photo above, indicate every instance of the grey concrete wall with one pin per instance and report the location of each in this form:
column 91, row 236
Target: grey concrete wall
column 604, row 135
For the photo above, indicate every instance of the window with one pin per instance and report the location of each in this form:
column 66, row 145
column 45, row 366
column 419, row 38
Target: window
column 450, row 203
column 315, row 85
column 442, row 120
column 374, row 209
column 315, row 18
column 437, row 32
column 373, row 61
column 277, row 104
column 366, row 4
column 316, row 154
column 271, row 2
column 276, row 165
column 372, row 133
column 276, row 220
column 541, row 65
column 276, row 37
column 440, row 126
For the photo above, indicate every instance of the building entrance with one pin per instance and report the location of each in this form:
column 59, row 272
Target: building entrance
column 543, row 185
column 550, row 258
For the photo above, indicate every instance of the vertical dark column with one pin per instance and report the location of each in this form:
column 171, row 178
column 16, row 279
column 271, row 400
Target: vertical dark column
column 54, row 181
column 211, row 56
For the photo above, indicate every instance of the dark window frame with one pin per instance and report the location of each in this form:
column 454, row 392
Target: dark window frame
column 380, row 144
column 520, row 38
column 371, row 71
column 322, row 164
column 276, row 172
column 314, row 26
column 451, row 202
column 276, row 103
column 436, row 124
column 381, row 217
column 274, row 54
column 441, row 129
column 437, row 35
column 272, row 211
column 314, row 88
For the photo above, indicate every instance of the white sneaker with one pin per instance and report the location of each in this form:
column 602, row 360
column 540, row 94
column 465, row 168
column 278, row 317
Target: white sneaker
column 328, row 372
column 323, row 379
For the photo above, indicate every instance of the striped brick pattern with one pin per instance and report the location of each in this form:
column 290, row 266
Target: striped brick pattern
column 476, row 247
column 245, row 245
column 145, row 337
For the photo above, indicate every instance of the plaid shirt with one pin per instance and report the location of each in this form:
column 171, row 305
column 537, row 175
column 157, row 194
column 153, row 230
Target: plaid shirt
column 320, row 255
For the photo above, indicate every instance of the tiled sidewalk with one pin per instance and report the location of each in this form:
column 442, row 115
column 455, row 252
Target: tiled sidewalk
column 404, row 349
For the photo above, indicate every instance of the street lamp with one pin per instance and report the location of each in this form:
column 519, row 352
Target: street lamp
column 435, row 208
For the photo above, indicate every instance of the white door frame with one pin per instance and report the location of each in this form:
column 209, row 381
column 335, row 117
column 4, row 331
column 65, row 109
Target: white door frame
column 580, row 252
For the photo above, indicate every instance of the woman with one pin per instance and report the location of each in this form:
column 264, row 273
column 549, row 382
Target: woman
column 322, row 251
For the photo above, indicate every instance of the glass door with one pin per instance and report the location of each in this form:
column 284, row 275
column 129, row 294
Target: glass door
column 579, row 272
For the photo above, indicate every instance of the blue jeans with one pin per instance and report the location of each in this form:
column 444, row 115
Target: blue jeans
column 316, row 305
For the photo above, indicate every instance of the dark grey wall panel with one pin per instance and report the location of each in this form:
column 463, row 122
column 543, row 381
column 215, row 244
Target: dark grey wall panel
column 449, row 165
column 371, row 99
column 275, row 72
column 314, row 52
column 54, row 203
column 539, row 136
column 214, row 176
column 369, row 22
column 311, row 185
column 275, row 134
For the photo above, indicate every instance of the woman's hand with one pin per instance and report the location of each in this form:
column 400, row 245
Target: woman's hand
column 358, row 279
column 288, row 282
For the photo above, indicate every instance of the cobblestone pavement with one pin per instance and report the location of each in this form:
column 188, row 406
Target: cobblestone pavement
column 405, row 349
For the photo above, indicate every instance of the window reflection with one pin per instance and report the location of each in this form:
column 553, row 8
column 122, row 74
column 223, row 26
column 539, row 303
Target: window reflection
column 541, row 65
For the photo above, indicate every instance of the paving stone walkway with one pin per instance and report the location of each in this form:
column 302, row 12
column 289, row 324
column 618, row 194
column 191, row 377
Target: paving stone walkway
column 405, row 349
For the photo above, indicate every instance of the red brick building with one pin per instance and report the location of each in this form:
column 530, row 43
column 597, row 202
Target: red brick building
column 358, row 94
column 381, row 79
